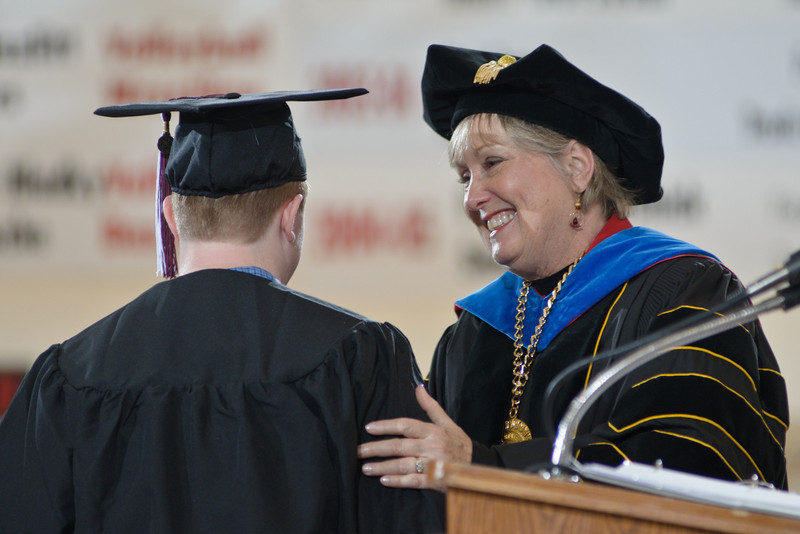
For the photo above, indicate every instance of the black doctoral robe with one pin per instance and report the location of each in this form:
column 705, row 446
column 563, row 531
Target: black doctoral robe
column 215, row 402
column 716, row 408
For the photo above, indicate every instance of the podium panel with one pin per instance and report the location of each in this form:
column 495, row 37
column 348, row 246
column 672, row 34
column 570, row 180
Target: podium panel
column 491, row 500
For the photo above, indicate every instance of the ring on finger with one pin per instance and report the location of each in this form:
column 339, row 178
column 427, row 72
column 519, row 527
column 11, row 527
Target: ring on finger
column 419, row 465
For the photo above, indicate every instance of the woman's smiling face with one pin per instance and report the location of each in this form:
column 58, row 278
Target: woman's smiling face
column 518, row 200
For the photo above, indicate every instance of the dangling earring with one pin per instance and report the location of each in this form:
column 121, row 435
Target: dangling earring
column 576, row 217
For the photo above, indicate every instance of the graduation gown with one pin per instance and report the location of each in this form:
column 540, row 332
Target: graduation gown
column 215, row 402
column 715, row 408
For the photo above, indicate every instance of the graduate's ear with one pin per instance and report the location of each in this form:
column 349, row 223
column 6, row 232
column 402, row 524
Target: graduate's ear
column 169, row 215
column 580, row 164
column 289, row 217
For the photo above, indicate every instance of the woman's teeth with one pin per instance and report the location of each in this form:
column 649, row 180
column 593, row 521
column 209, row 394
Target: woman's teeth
column 500, row 219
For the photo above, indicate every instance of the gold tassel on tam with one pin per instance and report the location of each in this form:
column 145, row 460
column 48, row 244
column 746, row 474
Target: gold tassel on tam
column 489, row 71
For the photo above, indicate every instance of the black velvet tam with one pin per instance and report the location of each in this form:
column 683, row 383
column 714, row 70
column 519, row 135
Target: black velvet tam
column 233, row 143
column 546, row 89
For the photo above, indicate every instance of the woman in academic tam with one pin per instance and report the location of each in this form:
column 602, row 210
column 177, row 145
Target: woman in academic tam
column 552, row 161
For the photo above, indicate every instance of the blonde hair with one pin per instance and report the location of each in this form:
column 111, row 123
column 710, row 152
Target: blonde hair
column 240, row 218
column 604, row 188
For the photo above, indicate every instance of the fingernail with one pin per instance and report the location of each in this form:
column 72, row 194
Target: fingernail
column 369, row 427
column 366, row 469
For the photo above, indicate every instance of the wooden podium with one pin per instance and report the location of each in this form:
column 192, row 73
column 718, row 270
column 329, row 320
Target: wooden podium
column 490, row 500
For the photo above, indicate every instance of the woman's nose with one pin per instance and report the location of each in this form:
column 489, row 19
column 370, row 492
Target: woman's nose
column 475, row 195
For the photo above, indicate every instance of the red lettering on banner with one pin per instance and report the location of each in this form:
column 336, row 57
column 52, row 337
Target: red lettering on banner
column 391, row 88
column 122, row 91
column 138, row 181
column 415, row 229
column 162, row 45
column 344, row 230
column 118, row 235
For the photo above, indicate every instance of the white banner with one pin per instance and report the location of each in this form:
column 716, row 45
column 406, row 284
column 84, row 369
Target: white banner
column 385, row 231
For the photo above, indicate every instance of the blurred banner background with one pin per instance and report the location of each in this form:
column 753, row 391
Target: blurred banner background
column 385, row 233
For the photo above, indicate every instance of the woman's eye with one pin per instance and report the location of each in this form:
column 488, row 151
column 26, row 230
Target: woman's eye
column 491, row 162
column 463, row 178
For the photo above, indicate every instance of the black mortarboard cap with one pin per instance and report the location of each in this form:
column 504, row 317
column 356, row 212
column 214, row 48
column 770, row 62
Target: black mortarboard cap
column 225, row 145
column 233, row 143
column 546, row 89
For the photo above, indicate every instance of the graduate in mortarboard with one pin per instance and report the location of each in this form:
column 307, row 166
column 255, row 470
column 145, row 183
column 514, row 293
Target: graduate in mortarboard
column 551, row 162
column 219, row 400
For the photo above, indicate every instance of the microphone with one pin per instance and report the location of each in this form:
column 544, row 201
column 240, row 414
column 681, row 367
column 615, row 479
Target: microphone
column 793, row 268
column 737, row 310
column 788, row 273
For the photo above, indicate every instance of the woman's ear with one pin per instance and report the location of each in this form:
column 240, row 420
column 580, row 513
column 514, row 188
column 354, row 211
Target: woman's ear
column 580, row 163
column 288, row 217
